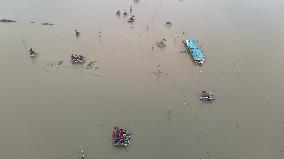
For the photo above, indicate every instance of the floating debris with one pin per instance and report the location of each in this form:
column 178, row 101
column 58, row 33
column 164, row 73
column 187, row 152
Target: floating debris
column 118, row 12
column 125, row 13
column 32, row 22
column 32, row 53
column 176, row 37
column 237, row 125
column 206, row 95
column 90, row 65
column 182, row 52
column 82, row 153
column 47, row 24
column 171, row 109
column 54, row 63
column 158, row 69
column 100, row 34
column 77, row 33
column 58, row 63
column 120, row 136
column 131, row 19
column 7, row 21
column 77, row 58
column 168, row 24
column 170, row 113
column 161, row 43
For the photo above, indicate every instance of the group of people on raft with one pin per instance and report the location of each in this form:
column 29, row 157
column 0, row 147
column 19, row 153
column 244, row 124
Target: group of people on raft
column 206, row 95
column 120, row 136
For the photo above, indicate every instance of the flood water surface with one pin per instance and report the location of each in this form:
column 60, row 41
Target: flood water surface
column 50, row 107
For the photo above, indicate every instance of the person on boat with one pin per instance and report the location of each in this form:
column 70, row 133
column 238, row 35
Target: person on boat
column 130, row 9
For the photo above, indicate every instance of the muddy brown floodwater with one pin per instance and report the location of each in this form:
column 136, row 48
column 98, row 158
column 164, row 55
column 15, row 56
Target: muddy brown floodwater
column 50, row 107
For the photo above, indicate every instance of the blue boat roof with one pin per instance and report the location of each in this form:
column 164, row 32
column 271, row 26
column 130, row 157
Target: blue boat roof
column 194, row 49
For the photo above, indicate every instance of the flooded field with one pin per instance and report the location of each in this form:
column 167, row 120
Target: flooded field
column 50, row 107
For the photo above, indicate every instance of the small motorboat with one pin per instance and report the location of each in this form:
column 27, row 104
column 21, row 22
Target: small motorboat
column 131, row 19
column 77, row 58
column 207, row 96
